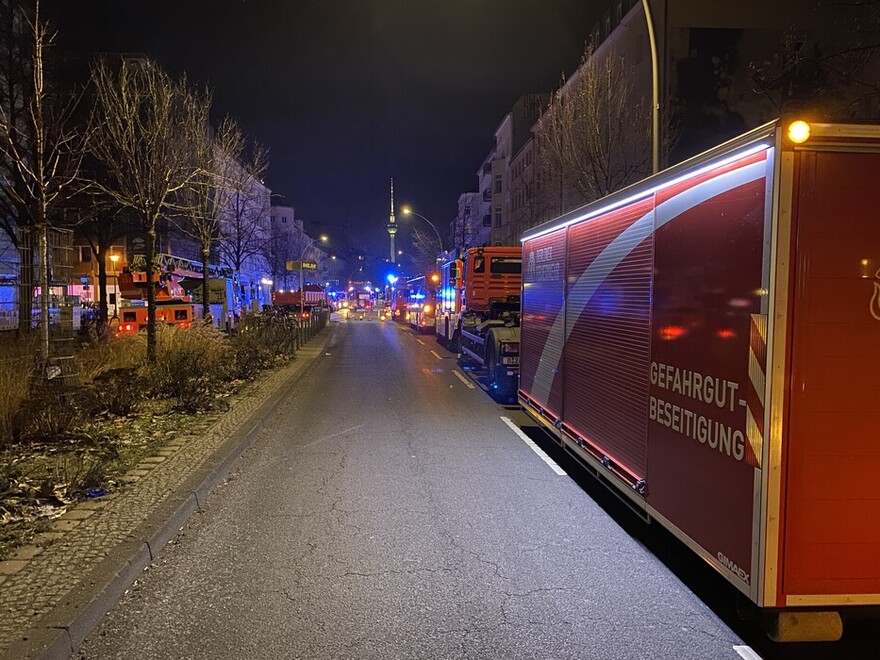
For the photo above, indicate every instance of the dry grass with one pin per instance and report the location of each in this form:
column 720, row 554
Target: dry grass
column 17, row 362
column 126, row 352
column 190, row 365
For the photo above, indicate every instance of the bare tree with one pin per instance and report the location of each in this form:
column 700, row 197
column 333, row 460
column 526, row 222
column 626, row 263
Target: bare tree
column 528, row 206
column 595, row 137
column 41, row 149
column 242, row 232
column 426, row 247
column 102, row 224
column 277, row 251
column 467, row 222
column 831, row 71
column 147, row 127
column 213, row 192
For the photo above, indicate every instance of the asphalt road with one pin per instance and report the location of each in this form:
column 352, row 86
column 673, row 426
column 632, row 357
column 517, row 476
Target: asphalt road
column 389, row 511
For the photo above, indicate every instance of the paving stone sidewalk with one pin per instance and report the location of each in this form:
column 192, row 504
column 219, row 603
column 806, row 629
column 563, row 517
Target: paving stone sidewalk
column 53, row 592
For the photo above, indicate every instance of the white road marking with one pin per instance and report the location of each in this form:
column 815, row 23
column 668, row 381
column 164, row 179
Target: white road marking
column 746, row 653
column 420, row 341
column 464, row 379
column 434, row 353
column 535, row 448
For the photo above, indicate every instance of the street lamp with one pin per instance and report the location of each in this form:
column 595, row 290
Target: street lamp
column 114, row 259
column 408, row 211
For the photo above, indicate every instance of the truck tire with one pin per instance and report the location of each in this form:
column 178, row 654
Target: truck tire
column 500, row 384
column 491, row 367
column 454, row 344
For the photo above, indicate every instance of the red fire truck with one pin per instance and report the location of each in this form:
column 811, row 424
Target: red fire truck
column 707, row 342
column 422, row 304
column 400, row 302
column 478, row 312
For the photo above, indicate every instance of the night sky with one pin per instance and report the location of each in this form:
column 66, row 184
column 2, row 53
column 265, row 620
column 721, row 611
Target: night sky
column 348, row 93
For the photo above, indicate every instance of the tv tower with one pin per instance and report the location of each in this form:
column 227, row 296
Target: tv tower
column 392, row 224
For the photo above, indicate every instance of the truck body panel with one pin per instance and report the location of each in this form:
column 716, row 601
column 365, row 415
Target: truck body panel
column 707, row 341
column 832, row 507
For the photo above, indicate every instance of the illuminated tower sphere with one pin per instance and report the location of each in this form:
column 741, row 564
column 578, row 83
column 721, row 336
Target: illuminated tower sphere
column 392, row 224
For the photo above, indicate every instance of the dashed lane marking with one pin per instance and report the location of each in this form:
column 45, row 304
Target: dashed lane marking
column 434, row 353
column 419, row 340
column 535, row 448
column 464, row 379
column 746, row 653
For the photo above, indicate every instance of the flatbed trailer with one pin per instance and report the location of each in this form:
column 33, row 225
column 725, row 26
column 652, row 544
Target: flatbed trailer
column 707, row 341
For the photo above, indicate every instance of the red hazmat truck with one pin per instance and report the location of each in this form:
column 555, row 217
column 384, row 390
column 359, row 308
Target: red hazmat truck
column 708, row 342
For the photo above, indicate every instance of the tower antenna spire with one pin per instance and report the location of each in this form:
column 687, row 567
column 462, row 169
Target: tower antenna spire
column 392, row 224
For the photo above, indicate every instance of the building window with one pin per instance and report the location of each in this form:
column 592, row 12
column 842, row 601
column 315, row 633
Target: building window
column 498, row 183
column 497, row 216
column 85, row 254
column 487, row 220
column 284, row 219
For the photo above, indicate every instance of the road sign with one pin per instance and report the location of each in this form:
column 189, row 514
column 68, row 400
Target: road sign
column 301, row 265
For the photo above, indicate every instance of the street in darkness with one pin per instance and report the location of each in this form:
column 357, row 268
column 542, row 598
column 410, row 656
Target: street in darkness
column 389, row 511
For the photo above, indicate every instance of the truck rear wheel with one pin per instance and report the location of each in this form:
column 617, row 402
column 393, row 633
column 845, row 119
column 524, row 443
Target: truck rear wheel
column 454, row 344
column 491, row 367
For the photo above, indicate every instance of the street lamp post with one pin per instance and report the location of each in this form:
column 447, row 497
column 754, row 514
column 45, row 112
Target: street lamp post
column 655, row 85
column 408, row 211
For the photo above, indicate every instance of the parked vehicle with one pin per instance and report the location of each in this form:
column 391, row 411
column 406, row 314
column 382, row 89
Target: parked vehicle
column 479, row 312
column 706, row 342
column 400, row 302
column 314, row 295
column 134, row 319
column 422, row 306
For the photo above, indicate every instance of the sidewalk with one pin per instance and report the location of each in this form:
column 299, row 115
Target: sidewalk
column 54, row 592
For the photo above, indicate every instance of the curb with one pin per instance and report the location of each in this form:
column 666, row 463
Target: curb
column 65, row 628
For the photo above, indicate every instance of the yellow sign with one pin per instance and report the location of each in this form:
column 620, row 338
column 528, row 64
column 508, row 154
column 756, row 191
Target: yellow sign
column 301, row 265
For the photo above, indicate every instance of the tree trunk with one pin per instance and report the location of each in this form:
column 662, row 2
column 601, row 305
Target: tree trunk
column 150, row 259
column 44, row 292
column 25, row 283
column 206, row 307
column 103, row 307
